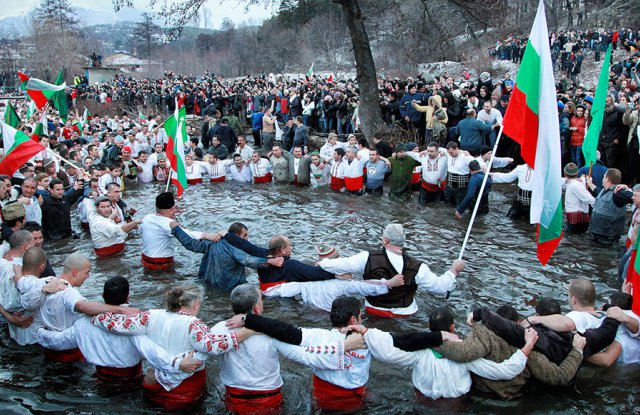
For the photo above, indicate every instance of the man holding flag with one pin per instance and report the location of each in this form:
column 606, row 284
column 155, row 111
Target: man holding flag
column 532, row 121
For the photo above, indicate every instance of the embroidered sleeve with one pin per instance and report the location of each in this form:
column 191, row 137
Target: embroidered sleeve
column 203, row 340
column 121, row 324
column 326, row 356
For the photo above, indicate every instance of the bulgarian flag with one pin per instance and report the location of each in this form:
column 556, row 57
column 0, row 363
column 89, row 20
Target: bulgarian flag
column 83, row 121
column 60, row 98
column 41, row 129
column 141, row 118
column 309, row 73
column 633, row 276
column 590, row 145
column 38, row 90
column 176, row 129
column 11, row 116
column 531, row 119
column 31, row 109
column 19, row 149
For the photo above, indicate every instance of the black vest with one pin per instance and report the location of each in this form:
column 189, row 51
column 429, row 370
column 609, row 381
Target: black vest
column 378, row 267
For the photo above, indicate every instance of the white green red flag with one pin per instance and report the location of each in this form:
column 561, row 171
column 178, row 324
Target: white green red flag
column 38, row 90
column 310, row 73
column 141, row 118
column 531, row 120
column 19, row 148
column 176, row 129
column 83, row 121
column 42, row 128
column 31, row 109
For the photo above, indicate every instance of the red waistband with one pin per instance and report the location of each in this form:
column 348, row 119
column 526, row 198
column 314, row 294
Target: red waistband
column 432, row 187
column 217, row 179
column 416, row 177
column 63, row 356
column 330, row 397
column 354, row 183
column 336, row 183
column 242, row 401
column 194, row 181
column 264, row 286
column 184, row 395
column 109, row 250
column 264, row 179
column 384, row 313
column 574, row 218
column 108, row 373
column 156, row 263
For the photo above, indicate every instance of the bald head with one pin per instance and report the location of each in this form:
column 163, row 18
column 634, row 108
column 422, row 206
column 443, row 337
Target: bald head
column 33, row 261
column 583, row 291
column 75, row 261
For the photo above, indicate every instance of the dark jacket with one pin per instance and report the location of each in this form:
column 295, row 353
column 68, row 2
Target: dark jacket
column 56, row 215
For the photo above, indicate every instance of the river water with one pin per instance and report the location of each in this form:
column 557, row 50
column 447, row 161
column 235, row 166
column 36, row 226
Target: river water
column 501, row 268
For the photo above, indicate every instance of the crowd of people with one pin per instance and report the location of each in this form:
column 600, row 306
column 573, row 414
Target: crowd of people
column 87, row 163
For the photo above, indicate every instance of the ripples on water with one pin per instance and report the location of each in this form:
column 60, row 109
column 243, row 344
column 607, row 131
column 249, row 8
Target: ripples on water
column 501, row 268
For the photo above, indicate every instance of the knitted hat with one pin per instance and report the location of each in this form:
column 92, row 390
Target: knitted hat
column 589, row 99
column 13, row 211
column 161, row 156
column 504, row 97
column 119, row 139
column 127, row 149
column 47, row 163
column 411, row 146
column 560, row 105
column 400, row 147
column 327, row 252
column 571, row 170
column 165, row 200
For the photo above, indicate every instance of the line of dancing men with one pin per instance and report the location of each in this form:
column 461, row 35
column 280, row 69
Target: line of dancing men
column 502, row 355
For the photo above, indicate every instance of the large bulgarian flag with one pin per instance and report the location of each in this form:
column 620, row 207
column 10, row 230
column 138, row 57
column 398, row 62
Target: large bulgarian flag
column 42, row 128
column 38, row 90
column 531, row 119
column 633, row 276
column 176, row 128
column 19, row 149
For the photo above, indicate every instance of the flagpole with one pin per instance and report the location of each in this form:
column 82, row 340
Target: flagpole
column 166, row 189
column 477, row 205
column 59, row 157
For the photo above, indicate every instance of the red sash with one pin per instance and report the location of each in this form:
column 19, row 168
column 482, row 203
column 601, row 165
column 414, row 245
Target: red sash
column 415, row 177
column 63, row 356
column 217, row 179
column 384, row 314
column 241, row 401
column 185, row 395
column 353, row 184
column 194, row 181
column 109, row 373
column 84, row 225
column 264, row 286
column 156, row 263
column 334, row 398
column 336, row 183
column 432, row 187
column 264, row 179
column 109, row 250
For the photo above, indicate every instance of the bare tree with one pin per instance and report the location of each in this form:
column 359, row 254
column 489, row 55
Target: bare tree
column 145, row 32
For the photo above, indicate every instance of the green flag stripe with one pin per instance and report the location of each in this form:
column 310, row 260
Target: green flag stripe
column 555, row 227
column 528, row 79
column 590, row 144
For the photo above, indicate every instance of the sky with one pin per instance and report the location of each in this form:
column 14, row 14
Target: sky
column 233, row 9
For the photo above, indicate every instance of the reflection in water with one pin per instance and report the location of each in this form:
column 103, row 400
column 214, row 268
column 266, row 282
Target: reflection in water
column 501, row 268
